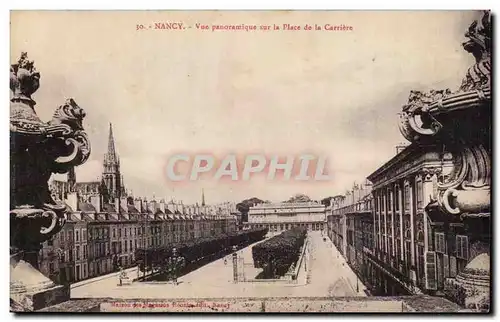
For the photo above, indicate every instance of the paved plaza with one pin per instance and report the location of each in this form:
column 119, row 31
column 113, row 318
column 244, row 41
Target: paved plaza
column 328, row 274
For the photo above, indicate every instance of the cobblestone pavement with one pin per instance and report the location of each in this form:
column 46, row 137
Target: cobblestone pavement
column 328, row 277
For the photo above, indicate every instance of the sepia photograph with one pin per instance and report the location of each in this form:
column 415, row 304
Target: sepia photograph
column 279, row 161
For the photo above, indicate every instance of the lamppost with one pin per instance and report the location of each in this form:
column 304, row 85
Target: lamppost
column 144, row 227
column 356, row 272
column 174, row 259
column 235, row 264
column 357, row 283
column 174, row 263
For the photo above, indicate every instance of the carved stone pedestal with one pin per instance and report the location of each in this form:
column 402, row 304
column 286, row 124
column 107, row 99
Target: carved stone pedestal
column 31, row 290
column 471, row 288
column 37, row 149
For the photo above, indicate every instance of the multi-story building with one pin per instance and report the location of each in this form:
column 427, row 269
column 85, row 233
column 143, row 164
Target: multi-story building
column 278, row 217
column 49, row 258
column 66, row 260
column 431, row 202
column 105, row 227
column 350, row 227
column 80, row 250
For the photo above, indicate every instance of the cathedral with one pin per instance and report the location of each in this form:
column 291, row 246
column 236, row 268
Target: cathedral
column 93, row 194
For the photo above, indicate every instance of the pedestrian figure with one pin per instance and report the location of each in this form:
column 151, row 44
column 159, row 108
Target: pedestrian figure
column 225, row 260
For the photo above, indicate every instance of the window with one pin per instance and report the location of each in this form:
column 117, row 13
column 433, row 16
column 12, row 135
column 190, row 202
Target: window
column 396, row 198
column 114, row 232
column 431, row 270
column 420, row 194
column 125, row 231
column 130, row 242
column 407, row 197
column 439, row 241
column 77, row 235
column 389, row 204
column 77, row 252
column 462, row 247
column 85, row 252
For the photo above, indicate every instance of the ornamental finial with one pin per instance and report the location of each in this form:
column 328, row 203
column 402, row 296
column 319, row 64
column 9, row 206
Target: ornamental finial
column 24, row 79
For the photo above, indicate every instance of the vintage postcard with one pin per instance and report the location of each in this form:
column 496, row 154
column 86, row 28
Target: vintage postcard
column 250, row 161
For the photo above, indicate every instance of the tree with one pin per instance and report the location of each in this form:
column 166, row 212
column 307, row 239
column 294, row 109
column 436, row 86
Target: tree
column 326, row 201
column 245, row 205
column 299, row 198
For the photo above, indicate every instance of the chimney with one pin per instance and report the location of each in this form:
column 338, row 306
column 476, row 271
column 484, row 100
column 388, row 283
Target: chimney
column 138, row 204
column 171, row 207
column 162, row 205
column 96, row 202
column 117, row 205
column 72, row 201
column 152, row 206
column 124, row 204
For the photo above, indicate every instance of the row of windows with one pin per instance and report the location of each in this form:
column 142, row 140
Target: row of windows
column 363, row 205
column 390, row 198
column 138, row 231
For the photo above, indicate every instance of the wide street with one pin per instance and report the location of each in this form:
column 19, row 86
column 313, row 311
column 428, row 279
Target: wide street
column 328, row 276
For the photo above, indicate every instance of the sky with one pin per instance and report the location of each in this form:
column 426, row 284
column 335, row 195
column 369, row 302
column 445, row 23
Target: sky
column 335, row 94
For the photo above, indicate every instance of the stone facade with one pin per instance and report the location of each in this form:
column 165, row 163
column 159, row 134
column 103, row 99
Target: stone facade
column 278, row 217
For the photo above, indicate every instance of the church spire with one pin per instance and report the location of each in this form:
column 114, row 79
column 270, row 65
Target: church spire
column 111, row 143
column 111, row 173
column 203, row 197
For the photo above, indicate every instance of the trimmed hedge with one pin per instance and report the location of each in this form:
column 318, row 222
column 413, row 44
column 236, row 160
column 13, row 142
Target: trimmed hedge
column 278, row 253
column 196, row 249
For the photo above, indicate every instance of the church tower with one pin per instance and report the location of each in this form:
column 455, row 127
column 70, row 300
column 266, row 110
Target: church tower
column 111, row 172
